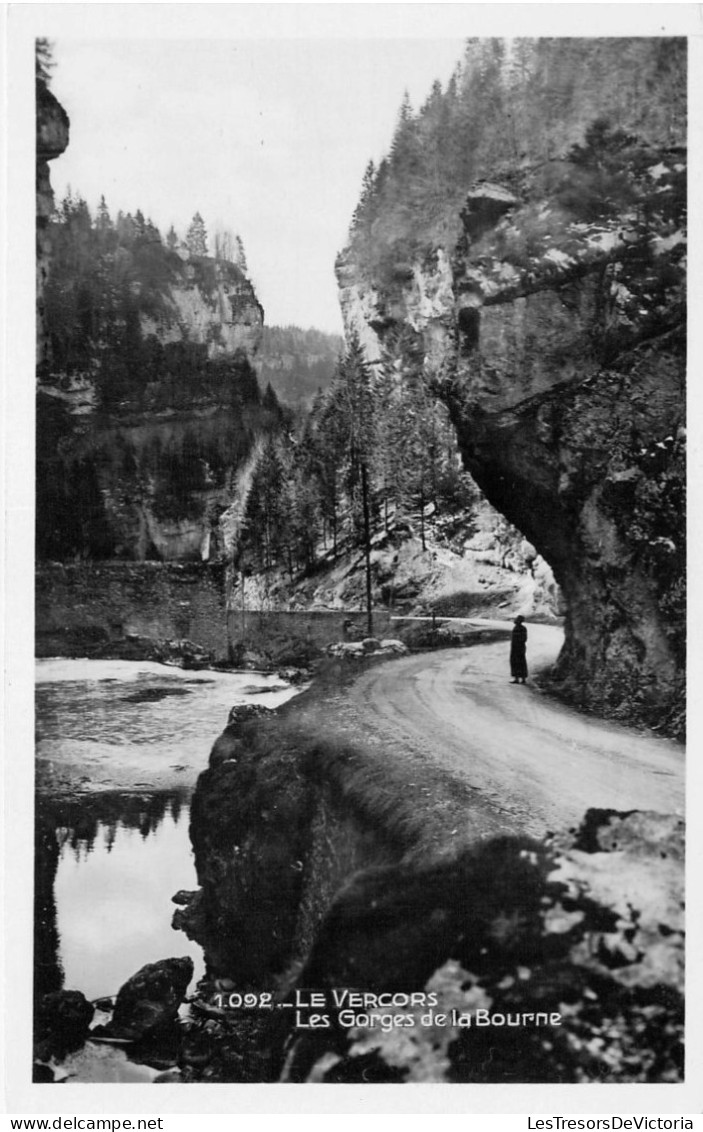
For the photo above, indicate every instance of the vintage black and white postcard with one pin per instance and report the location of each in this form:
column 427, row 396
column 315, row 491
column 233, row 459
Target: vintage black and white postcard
column 350, row 501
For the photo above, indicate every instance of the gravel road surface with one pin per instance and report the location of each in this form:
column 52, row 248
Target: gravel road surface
column 535, row 764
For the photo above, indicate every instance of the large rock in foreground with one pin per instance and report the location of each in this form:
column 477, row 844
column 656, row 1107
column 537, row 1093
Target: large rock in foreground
column 149, row 1001
column 522, row 962
column 62, row 1023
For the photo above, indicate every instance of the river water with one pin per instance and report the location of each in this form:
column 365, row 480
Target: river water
column 119, row 747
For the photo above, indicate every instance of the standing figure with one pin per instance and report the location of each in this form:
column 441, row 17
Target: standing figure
column 518, row 646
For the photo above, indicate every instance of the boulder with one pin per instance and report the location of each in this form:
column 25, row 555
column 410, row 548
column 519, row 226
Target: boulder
column 149, row 1001
column 190, row 917
column 346, row 648
column 184, row 895
column 62, row 1022
column 293, row 676
column 393, row 645
column 229, row 744
column 242, row 713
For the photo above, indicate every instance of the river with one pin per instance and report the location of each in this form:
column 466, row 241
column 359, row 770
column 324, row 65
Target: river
column 119, row 747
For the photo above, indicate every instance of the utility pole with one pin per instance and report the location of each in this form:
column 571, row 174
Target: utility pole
column 367, row 545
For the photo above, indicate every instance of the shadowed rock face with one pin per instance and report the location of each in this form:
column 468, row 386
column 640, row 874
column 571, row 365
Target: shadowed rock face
column 568, row 398
column 593, row 473
column 52, row 139
column 554, row 330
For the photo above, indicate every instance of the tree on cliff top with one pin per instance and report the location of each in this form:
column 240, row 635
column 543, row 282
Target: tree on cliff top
column 503, row 111
column 241, row 259
column 44, row 60
column 196, row 238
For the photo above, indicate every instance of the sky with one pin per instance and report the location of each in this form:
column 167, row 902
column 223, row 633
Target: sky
column 267, row 138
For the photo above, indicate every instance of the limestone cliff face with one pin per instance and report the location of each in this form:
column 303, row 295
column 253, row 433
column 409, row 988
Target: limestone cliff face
column 52, row 139
column 554, row 330
column 220, row 312
column 147, row 475
column 144, row 421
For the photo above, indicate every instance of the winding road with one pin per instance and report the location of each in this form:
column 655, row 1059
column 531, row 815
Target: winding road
column 535, row 764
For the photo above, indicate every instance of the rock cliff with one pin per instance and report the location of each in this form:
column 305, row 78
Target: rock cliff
column 552, row 318
column 148, row 406
column 52, row 138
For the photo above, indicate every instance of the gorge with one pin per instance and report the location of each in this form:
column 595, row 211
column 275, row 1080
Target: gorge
column 513, row 289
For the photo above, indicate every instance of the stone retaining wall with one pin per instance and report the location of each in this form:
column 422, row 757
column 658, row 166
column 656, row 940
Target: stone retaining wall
column 103, row 603
column 109, row 601
column 260, row 630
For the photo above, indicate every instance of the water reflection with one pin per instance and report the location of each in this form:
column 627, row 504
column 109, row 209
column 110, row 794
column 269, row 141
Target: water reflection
column 118, row 860
column 81, row 820
column 119, row 747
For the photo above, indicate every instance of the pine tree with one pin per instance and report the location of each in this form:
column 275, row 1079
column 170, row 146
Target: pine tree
column 196, row 237
column 357, row 406
column 330, row 436
column 43, row 60
column 270, row 401
column 151, row 232
column 266, row 510
column 304, row 498
column 363, row 208
column 388, row 434
column 240, row 256
column 126, row 229
column 405, row 155
column 103, row 221
column 172, row 239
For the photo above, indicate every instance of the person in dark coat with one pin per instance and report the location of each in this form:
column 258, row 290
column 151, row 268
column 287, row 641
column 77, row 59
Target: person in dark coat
column 518, row 647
